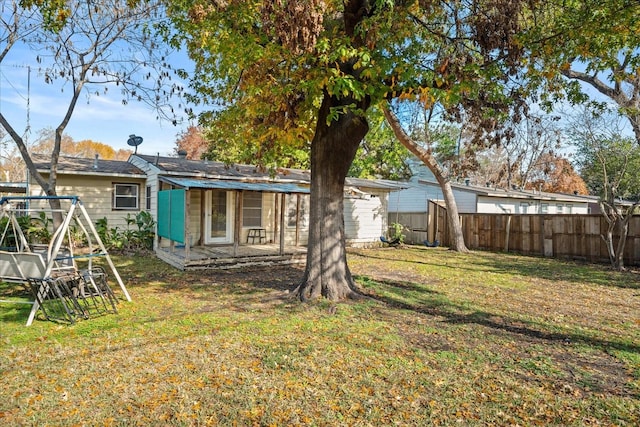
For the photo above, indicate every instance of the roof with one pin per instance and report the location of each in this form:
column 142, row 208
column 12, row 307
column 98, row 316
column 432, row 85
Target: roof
column 514, row 193
column 202, row 169
column 83, row 166
column 272, row 187
column 210, row 169
column 381, row 184
column 204, row 174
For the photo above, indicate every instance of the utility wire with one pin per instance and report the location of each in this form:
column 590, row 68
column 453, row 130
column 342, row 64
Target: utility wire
column 27, row 130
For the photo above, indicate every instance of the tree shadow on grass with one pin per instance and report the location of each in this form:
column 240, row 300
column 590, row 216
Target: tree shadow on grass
column 433, row 305
column 529, row 266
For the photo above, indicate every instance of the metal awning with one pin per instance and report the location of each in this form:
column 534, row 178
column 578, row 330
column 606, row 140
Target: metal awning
column 268, row 187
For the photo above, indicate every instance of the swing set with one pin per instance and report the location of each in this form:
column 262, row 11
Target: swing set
column 62, row 291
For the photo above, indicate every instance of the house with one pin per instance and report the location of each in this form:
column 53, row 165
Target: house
column 108, row 189
column 411, row 206
column 209, row 214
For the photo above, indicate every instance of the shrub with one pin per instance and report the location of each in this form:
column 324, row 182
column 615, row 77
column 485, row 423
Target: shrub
column 131, row 239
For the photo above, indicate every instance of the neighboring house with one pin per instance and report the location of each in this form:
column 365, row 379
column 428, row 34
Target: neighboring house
column 410, row 206
column 423, row 188
column 208, row 213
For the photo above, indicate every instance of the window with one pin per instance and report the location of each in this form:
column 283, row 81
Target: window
column 298, row 211
column 544, row 208
column 252, row 209
column 559, row 209
column 125, row 196
column 524, row 208
column 569, row 208
column 147, row 196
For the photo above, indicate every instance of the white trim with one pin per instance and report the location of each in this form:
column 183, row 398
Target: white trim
column 228, row 238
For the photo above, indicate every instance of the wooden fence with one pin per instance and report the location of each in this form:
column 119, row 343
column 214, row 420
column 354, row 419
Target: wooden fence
column 559, row 236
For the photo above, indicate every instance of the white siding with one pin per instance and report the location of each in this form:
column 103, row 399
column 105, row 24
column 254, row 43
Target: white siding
column 534, row 206
column 196, row 206
column 151, row 181
column 365, row 218
column 465, row 201
column 268, row 218
column 415, row 199
column 497, row 205
column 412, row 199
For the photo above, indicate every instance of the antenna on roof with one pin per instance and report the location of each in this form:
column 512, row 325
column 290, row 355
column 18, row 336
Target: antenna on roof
column 134, row 141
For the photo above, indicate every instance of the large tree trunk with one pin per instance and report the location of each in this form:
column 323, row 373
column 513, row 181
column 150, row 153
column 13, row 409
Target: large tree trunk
column 332, row 150
column 456, row 238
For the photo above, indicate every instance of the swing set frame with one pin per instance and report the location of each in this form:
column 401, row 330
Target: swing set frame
column 20, row 265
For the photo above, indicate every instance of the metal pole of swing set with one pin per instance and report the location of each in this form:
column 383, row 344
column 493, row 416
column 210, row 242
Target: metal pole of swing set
column 57, row 243
column 104, row 251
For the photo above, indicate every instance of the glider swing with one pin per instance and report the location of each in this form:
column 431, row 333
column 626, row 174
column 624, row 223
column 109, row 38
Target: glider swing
column 62, row 291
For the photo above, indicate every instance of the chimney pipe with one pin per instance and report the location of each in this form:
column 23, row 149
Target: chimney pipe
column 95, row 162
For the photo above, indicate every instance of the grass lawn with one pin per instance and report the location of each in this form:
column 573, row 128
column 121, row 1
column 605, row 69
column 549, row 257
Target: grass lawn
column 442, row 339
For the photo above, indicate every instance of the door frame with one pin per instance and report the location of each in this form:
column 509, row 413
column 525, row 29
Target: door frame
column 228, row 238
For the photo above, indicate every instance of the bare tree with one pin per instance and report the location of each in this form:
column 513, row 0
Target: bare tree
column 610, row 162
column 94, row 46
column 521, row 152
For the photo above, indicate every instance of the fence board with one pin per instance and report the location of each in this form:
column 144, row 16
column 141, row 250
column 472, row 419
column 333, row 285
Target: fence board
column 567, row 236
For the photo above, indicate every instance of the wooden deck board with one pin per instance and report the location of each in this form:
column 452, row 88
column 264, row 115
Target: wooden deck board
column 223, row 257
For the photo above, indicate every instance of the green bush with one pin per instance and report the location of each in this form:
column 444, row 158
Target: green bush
column 37, row 230
column 137, row 237
column 396, row 230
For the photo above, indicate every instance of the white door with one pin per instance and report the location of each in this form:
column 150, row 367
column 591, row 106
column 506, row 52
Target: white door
column 218, row 216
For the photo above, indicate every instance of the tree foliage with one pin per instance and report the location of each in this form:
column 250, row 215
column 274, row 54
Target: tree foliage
column 14, row 169
column 555, row 174
column 193, row 142
column 45, row 142
column 594, row 43
column 267, row 64
column 528, row 154
column 379, row 154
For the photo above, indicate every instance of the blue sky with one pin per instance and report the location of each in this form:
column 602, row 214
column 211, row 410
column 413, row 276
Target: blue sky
column 102, row 119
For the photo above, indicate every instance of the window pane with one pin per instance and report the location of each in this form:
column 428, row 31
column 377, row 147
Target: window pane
column 125, row 196
column 126, row 190
column 252, row 209
column 148, row 198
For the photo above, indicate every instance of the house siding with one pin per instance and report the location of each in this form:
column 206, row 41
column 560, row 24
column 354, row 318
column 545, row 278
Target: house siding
column 533, row 206
column 291, row 204
column 412, row 199
column 152, row 182
column 465, row 200
column 365, row 218
column 96, row 194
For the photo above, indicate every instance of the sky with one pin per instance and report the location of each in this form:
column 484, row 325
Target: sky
column 31, row 103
